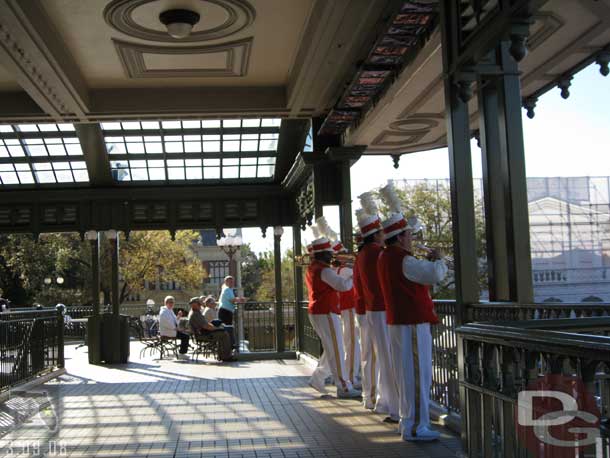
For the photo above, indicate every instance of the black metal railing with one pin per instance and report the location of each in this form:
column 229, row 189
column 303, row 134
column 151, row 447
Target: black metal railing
column 505, row 360
column 445, row 389
column 31, row 344
column 255, row 323
column 311, row 342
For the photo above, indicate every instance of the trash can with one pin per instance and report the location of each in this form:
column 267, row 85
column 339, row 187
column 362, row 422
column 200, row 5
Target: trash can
column 113, row 339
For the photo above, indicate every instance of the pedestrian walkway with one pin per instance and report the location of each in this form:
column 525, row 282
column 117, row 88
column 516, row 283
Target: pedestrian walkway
column 151, row 408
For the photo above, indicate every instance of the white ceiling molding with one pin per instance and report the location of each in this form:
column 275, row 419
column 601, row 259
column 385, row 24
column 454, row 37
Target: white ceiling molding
column 31, row 51
column 233, row 56
column 239, row 15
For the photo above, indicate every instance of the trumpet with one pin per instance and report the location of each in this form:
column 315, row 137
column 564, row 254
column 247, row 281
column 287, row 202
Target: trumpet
column 344, row 258
column 426, row 251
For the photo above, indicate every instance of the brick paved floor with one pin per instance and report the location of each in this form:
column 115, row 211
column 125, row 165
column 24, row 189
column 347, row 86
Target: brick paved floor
column 151, row 408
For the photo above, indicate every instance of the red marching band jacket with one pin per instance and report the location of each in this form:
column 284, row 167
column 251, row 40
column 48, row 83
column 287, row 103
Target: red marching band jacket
column 347, row 299
column 407, row 302
column 359, row 301
column 323, row 298
column 370, row 289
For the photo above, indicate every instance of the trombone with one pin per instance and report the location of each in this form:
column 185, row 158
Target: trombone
column 344, row 258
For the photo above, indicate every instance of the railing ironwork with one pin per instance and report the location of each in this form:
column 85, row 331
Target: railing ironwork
column 31, row 344
column 444, row 357
column 504, row 360
column 257, row 322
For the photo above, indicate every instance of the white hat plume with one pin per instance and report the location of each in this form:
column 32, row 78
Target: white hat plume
column 368, row 204
column 390, row 197
column 325, row 229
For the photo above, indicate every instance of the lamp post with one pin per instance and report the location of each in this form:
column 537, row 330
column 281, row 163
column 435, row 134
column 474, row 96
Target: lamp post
column 230, row 245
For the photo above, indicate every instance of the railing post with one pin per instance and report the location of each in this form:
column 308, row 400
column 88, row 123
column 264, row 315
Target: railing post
column 279, row 309
column 60, row 340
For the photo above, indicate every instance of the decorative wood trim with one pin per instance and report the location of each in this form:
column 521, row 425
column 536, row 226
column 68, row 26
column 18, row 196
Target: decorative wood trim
column 132, row 59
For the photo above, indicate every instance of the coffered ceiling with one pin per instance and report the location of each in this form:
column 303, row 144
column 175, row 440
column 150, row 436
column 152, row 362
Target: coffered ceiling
column 113, row 59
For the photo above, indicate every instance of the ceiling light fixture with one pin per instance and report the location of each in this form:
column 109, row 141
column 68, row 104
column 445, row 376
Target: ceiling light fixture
column 179, row 23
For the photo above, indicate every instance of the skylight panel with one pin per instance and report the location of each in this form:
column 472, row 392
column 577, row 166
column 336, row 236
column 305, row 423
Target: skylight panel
column 192, row 143
column 32, row 154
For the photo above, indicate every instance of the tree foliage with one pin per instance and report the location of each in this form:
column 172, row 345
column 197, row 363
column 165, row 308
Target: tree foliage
column 147, row 255
column 266, row 290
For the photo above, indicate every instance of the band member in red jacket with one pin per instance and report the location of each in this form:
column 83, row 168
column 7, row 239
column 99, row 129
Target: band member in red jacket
column 368, row 364
column 347, row 304
column 323, row 285
column 405, row 282
column 372, row 233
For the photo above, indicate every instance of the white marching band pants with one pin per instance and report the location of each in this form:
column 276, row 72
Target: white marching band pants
column 387, row 391
column 328, row 328
column 370, row 368
column 351, row 344
column 412, row 353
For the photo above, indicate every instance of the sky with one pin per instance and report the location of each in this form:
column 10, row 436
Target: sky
column 566, row 138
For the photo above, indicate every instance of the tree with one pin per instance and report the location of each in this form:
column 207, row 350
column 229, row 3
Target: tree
column 430, row 201
column 149, row 255
column 251, row 271
column 266, row 290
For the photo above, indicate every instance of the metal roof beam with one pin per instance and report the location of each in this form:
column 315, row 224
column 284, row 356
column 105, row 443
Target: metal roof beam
column 96, row 156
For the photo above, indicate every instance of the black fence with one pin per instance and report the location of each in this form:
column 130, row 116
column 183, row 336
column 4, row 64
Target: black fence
column 31, row 344
column 256, row 326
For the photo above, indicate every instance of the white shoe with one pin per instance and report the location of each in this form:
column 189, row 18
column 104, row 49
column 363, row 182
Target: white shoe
column 317, row 387
column 368, row 404
column 348, row 394
column 381, row 408
column 422, row 434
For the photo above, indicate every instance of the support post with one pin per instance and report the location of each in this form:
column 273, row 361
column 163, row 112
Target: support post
column 114, row 248
column 494, row 185
column 279, row 309
column 345, row 206
column 298, row 287
column 94, row 242
column 512, row 147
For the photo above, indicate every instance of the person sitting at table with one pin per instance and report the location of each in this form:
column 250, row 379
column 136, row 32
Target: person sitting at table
column 201, row 328
column 168, row 326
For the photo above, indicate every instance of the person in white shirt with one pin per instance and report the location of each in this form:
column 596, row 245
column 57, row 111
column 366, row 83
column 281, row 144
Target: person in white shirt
column 168, row 326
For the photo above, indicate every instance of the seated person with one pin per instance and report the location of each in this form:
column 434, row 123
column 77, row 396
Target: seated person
column 168, row 326
column 210, row 312
column 200, row 327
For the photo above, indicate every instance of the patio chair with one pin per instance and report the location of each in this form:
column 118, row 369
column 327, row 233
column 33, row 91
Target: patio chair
column 151, row 344
column 205, row 345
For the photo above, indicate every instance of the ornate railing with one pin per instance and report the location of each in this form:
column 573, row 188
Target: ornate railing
column 503, row 362
column 502, row 311
column 31, row 344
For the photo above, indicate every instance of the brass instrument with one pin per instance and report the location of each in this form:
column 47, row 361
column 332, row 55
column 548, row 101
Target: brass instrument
column 425, row 251
column 344, row 258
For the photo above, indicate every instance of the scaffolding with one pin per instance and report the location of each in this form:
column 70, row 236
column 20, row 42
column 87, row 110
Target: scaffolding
column 569, row 234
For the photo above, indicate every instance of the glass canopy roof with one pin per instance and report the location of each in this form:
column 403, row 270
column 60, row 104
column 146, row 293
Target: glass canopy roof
column 219, row 150
column 32, row 154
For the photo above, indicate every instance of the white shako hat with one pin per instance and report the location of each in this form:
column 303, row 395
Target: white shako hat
column 320, row 245
column 368, row 221
column 338, row 247
column 395, row 225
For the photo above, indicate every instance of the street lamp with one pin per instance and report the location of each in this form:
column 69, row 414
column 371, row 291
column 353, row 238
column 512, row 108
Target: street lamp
column 230, row 245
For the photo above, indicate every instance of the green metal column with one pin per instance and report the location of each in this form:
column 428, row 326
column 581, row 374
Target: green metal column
column 494, row 185
column 345, row 207
column 95, row 274
column 114, row 248
column 279, row 309
column 512, row 147
column 298, row 286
